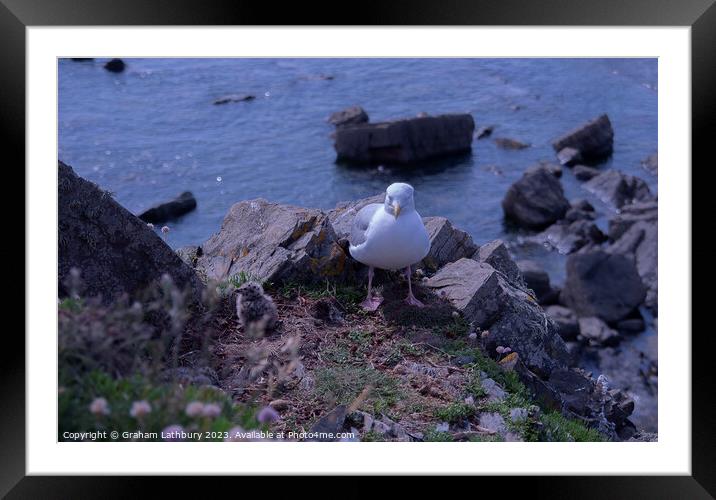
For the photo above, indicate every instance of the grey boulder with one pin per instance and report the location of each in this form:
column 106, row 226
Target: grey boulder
column 598, row 332
column 602, row 284
column 536, row 200
column 488, row 300
column 618, row 189
column 447, row 243
column 405, row 141
column 275, row 243
column 495, row 254
column 594, row 140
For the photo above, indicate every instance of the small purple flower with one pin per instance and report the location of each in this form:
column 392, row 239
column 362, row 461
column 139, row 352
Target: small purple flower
column 500, row 349
column 194, row 409
column 165, row 229
column 173, row 433
column 99, row 406
column 267, row 415
column 140, row 408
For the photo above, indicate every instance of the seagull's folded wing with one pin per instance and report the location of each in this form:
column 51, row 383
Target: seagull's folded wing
column 361, row 223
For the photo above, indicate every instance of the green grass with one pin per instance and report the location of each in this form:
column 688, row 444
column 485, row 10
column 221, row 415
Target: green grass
column 559, row 428
column 455, row 412
column 433, row 435
column 347, row 296
column 168, row 403
column 352, row 348
column 341, row 384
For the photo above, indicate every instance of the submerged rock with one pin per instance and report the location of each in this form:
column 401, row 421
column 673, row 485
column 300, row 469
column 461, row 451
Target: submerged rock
column 536, row 200
column 619, row 189
column 181, row 205
column 593, row 141
column 114, row 250
column 584, row 172
column 275, row 243
column 486, row 298
column 405, row 141
column 505, row 143
column 234, row 98
column 354, row 115
column 602, row 284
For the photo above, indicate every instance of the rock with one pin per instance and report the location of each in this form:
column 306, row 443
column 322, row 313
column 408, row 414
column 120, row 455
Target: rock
column 170, row 210
column 405, row 141
column 584, row 172
column 342, row 216
column 483, row 132
column 506, row 143
column 234, row 98
column 115, row 252
column 494, row 422
column 568, row 156
column 447, row 243
column 566, row 321
column 535, row 278
column 495, row 254
column 651, row 164
column 594, row 140
column 568, row 235
column 646, row 211
column 618, row 189
column 574, row 388
column 355, row 115
column 631, row 325
column 81, row 59
column 274, row 243
column 486, row 298
column 493, row 390
column 329, row 425
column 602, row 284
column 518, row 415
column 189, row 254
column 551, row 168
column 115, row 65
column 598, row 332
column 536, row 200
column 639, row 243
column 582, row 205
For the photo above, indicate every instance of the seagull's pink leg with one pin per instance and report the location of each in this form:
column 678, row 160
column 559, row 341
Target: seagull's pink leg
column 371, row 303
column 411, row 300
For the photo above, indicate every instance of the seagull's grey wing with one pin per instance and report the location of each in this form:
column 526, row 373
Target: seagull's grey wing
column 361, row 222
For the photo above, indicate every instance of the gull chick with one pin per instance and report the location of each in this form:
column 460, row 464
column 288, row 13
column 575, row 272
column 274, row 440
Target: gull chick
column 390, row 235
column 255, row 308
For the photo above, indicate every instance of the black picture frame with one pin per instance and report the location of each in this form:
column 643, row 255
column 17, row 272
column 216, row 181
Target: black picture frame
column 700, row 15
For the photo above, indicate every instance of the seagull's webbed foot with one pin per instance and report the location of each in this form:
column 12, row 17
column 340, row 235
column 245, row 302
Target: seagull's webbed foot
column 371, row 303
column 412, row 301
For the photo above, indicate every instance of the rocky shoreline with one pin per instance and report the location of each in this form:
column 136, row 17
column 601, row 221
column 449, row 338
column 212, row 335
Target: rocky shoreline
column 512, row 316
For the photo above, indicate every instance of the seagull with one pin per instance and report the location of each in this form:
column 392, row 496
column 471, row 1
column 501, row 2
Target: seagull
column 391, row 236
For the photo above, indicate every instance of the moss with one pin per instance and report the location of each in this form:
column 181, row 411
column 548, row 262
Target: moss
column 434, row 435
column 455, row 412
column 557, row 427
column 343, row 383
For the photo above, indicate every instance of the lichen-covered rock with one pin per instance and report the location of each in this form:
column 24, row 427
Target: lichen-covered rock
column 405, row 141
column 486, row 298
column 275, row 243
column 536, row 200
column 619, row 189
column 495, row 254
column 594, row 140
column 114, row 250
column 602, row 284
column 447, row 243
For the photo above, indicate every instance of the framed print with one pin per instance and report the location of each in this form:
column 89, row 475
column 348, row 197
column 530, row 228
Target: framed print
column 426, row 243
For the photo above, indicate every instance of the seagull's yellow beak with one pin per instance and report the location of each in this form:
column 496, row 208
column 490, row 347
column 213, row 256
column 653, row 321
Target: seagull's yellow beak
column 396, row 209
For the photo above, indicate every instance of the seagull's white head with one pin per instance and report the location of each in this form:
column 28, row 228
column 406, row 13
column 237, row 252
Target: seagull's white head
column 399, row 199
